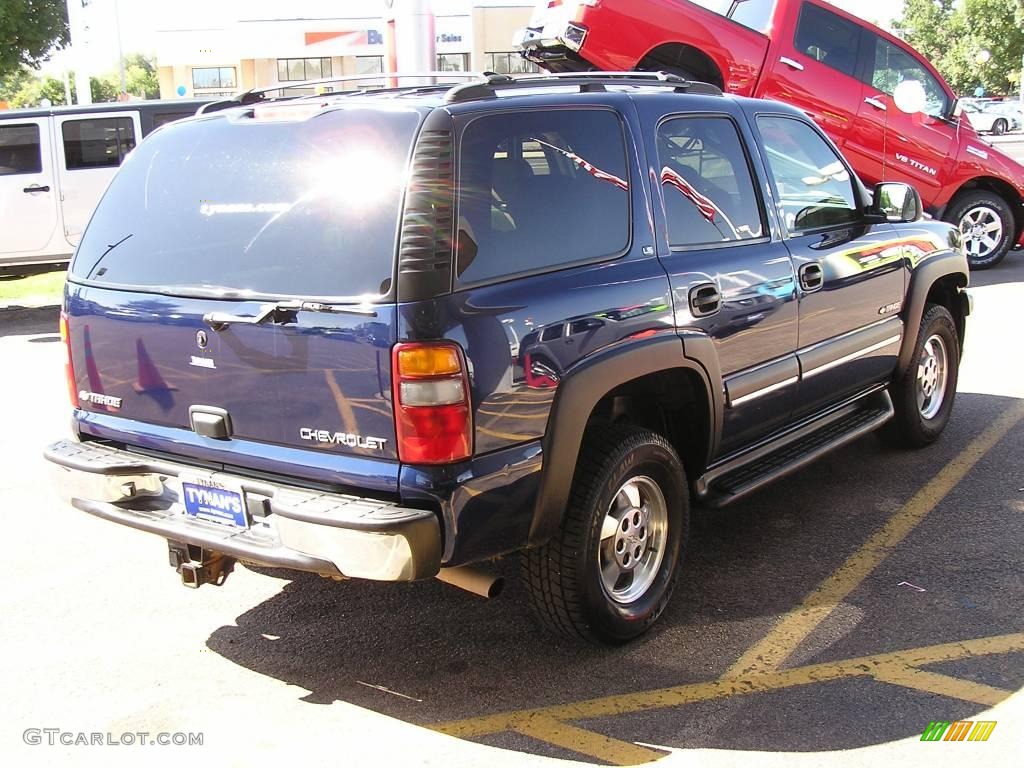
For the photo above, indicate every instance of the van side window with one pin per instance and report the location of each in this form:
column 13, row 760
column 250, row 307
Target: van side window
column 705, row 181
column 893, row 66
column 828, row 38
column 813, row 188
column 539, row 190
column 98, row 142
column 19, row 149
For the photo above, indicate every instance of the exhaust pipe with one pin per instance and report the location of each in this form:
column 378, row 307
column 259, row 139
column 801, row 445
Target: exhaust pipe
column 472, row 580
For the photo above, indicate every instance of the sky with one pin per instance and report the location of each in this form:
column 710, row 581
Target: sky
column 140, row 18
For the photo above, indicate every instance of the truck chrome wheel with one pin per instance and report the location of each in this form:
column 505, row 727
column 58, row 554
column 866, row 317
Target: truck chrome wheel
column 931, row 377
column 982, row 230
column 633, row 539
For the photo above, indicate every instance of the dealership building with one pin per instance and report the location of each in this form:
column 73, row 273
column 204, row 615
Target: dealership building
column 260, row 49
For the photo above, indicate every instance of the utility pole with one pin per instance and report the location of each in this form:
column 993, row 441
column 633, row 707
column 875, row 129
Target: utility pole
column 120, row 49
column 76, row 24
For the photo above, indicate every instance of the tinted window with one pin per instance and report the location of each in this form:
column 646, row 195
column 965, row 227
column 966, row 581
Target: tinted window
column 163, row 118
column 98, row 143
column 539, row 190
column 552, row 333
column 705, row 181
column 893, row 66
column 812, row 186
column 19, row 149
column 307, row 208
column 828, row 38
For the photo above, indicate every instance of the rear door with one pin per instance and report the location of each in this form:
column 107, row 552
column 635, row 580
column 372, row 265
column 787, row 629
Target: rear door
column 850, row 274
column 28, row 193
column 205, row 227
column 815, row 68
column 730, row 278
column 90, row 149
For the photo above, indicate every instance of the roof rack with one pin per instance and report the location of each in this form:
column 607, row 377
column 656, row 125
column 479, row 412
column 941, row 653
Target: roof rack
column 256, row 95
column 588, row 82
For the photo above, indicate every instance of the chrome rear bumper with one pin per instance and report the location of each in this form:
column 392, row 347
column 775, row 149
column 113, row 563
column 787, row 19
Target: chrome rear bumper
column 290, row 527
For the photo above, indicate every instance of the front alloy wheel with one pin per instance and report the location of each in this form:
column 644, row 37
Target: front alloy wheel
column 986, row 225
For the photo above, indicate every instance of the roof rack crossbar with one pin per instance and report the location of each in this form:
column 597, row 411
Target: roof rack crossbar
column 255, row 95
column 587, row 82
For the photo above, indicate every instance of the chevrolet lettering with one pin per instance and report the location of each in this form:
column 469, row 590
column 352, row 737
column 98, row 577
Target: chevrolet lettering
column 341, row 438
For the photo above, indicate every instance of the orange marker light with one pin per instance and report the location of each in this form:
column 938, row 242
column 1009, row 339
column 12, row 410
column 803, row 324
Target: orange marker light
column 422, row 361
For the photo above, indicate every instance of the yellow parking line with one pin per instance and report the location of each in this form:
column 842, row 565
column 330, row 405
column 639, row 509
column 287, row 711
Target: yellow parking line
column 663, row 698
column 943, row 685
column 562, row 734
column 771, row 652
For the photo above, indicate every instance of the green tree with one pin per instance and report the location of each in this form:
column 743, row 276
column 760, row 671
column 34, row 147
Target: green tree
column 141, row 76
column 14, row 81
column 29, row 30
column 953, row 35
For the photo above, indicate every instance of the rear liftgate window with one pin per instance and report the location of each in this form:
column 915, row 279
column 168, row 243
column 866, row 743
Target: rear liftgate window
column 540, row 190
column 294, row 207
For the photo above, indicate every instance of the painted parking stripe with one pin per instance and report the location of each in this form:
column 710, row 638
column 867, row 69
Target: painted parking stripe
column 771, row 652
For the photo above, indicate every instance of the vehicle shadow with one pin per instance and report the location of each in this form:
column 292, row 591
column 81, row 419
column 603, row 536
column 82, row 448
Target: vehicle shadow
column 427, row 653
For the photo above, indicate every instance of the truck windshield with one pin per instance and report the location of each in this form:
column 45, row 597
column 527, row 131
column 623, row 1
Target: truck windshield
column 755, row 14
column 303, row 208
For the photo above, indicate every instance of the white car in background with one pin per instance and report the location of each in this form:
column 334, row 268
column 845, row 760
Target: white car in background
column 987, row 118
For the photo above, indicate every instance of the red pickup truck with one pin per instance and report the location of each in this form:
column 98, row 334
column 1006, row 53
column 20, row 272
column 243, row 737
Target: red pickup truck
column 839, row 69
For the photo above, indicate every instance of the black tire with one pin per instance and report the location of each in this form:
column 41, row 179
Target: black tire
column 564, row 576
column 999, row 127
column 912, row 426
column 965, row 209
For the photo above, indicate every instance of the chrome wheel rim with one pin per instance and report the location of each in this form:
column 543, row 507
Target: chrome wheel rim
column 982, row 231
column 932, row 370
column 634, row 534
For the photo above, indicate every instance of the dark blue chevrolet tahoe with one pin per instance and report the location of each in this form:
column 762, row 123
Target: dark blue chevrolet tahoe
column 394, row 335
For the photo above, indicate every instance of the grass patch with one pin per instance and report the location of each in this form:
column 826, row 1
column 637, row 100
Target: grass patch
column 35, row 289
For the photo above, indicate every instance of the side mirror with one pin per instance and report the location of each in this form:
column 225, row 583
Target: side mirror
column 896, row 202
column 909, row 97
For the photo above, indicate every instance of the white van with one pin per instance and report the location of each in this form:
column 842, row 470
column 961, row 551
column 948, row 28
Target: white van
column 55, row 164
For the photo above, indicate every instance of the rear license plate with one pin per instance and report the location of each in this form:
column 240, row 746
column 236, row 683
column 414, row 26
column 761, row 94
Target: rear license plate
column 214, row 501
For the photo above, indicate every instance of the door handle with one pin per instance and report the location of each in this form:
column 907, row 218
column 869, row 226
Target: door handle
column 791, row 63
column 705, row 300
column 811, row 277
column 876, row 103
column 35, row 188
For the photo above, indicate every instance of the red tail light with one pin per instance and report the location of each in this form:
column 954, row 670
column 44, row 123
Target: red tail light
column 431, row 392
column 69, row 370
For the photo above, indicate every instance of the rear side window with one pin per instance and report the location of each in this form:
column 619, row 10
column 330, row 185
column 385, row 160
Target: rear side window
column 19, row 149
column 97, row 143
column 163, row 118
column 539, row 190
column 278, row 208
column 705, row 181
column 813, row 188
column 828, row 38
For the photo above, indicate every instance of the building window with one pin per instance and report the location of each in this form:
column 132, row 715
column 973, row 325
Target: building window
column 295, row 70
column 508, row 64
column 213, row 77
column 369, row 65
column 452, row 62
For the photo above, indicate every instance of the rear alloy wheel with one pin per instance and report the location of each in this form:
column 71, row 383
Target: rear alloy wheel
column 923, row 397
column 986, row 226
column 608, row 574
column 999, row 127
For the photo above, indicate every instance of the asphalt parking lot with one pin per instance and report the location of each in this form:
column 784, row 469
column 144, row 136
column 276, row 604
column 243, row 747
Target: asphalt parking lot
column 829, row 618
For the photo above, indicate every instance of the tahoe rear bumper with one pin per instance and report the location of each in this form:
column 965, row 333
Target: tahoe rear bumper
column 289, row 527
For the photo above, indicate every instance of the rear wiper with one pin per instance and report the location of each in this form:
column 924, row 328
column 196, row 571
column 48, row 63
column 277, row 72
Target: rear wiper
column 282, row 312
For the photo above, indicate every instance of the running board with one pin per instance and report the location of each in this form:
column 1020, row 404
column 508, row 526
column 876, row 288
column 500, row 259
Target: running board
column 736, row 477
